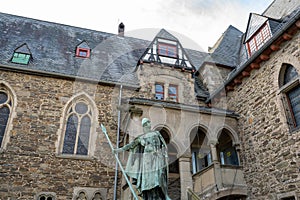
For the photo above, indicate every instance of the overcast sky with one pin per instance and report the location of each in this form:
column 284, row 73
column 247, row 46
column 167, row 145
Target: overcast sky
column 198, row 23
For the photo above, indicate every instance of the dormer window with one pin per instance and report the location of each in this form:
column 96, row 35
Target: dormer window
column 168, row 50
column 21, row 58
column 83, row 50
column 21, row 55
column 259, row 39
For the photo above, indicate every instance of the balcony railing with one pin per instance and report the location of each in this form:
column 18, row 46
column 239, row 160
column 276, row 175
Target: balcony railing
column 219, row 180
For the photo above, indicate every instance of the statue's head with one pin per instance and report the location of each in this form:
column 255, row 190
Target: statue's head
column 144, row 120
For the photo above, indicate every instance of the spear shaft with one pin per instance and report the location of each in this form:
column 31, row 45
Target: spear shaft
column 119, row 162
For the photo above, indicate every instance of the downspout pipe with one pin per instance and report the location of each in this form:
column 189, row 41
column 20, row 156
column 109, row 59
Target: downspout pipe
column 117, row 142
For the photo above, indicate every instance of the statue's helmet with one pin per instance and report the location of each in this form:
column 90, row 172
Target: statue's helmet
column 144, row 120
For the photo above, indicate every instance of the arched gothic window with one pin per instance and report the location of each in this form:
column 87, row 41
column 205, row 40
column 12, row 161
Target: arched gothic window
column 289, row 86
column 201, row 154
column 226, row 150
column 46, row 196
column 78, row 128
column 6, row 105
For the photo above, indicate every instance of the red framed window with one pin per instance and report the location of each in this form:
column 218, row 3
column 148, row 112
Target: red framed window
column 173, row 92
column 260, row 38
column 159, row 91
column 82, row 52
column 167, row 50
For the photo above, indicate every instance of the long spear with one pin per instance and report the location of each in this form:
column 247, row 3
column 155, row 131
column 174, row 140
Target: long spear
column 119, row 162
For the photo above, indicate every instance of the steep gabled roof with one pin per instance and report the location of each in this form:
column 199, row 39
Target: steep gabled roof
column 23, row 49
column 227, row 50
column 167, row 49
column 254, row 23
column 53, row 47
column 288, row 24
column 197, row 58
column 166, row 35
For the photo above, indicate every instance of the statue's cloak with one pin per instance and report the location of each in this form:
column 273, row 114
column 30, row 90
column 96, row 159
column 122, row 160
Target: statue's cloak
column 148, row 162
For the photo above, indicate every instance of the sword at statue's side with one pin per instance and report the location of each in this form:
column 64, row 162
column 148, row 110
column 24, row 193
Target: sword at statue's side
column 119, row 162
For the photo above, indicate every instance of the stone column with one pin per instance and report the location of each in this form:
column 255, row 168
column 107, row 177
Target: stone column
column 216, row 163
column 186, row 180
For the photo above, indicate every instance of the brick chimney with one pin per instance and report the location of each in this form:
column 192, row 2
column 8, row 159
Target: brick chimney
column 121, row 29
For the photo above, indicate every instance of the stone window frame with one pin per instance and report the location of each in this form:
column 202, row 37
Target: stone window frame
column 46, row 195
column 166, row 85
column 89, row 192
column 81, row 97
column 5, row 87
column 286, row 195
column 283, row 90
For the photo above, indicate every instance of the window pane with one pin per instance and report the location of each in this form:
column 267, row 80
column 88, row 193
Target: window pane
column 290, row 74
column 163, row 50
column 159, row 88
column 167, row 50
column 201, row 159
column 294, row 97
column 159, row 91
column 173, row 90
column 70, row 135
column 4, row 115
column 229, row 156
column 84, row 136
column 81, row 108
column 82, row 53
column 3, row 97
column 159, row 96
column 20, row 58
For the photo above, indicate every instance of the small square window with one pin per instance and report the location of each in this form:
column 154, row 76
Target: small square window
column 82, row 52
column 21, row 58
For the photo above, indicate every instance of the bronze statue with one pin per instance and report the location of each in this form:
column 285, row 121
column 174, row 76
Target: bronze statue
column 147, row 163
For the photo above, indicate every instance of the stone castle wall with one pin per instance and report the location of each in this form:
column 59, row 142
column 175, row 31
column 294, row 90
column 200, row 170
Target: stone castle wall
column 270, row 152
column 30, row 164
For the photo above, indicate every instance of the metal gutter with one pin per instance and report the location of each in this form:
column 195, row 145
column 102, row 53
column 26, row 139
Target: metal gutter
column 256, row 54
column 117, row 144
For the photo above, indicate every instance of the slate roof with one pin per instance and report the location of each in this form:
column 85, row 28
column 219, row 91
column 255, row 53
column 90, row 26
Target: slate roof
column 228, row 50
column 256, row 21
column 53, row 46
column 286, row 22
column 197, row 58
column 166, row 35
